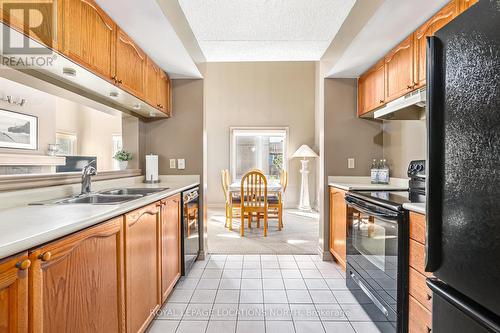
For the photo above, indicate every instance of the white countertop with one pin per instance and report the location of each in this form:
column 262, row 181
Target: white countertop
column 415, row 207
column 348, row 183
column 25, row 227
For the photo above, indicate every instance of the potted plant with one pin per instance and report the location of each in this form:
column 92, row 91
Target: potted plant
column 122, row 157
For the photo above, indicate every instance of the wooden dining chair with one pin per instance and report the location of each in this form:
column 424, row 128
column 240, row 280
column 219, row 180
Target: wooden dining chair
column 232, row 202
column 253, row 200
column 275, row 200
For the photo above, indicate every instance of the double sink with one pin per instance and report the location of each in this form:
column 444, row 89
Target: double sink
column 108, row 197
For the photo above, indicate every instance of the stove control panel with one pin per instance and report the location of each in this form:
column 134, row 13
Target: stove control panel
column 416, row 169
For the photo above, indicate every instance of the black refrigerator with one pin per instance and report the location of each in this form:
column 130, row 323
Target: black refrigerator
column 463, row 183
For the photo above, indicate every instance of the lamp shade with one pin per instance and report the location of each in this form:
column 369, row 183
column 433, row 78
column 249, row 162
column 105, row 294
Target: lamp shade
column 304, row 152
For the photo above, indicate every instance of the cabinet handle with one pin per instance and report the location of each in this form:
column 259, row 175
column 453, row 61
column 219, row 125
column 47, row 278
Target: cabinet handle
column 45, row 256
column 381, row 101
column 429, row 330
column 23, row 265
column 409, row 87
column 429, row 297
column 119, row 81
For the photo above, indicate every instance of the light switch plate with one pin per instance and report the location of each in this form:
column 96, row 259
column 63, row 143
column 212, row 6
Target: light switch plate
column 181, row 164
column 172, row 163
column 350, row 163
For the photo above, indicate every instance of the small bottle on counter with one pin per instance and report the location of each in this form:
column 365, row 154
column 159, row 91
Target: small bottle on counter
column 374, row 171
column 383, row 172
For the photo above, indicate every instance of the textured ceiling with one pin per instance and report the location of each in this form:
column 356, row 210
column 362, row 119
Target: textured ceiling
column 265, row 30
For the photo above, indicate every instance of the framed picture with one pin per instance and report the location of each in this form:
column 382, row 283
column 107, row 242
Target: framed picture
column 18, row 131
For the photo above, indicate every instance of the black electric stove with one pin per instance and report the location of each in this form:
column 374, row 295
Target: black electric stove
column 378, row 247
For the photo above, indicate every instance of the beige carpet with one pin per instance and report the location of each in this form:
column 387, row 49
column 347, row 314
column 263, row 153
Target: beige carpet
column 299, row 235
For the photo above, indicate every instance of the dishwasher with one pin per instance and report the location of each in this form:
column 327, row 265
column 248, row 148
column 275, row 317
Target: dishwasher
column 191, row 228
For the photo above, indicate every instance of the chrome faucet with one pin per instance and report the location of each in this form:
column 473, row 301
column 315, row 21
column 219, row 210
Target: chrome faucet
column 87, row 171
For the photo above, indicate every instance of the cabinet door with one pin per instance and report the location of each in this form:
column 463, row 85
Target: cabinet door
column 164, row 93
column 152, row 77
column 466, row 4
column 87, row 36
column 399, row 70
column 371, row 89
column 338, row 225
column 142, row 266
column 14, row 294
column 170, row 244
column 76, row 283
column 429, row 28
column 130, row 65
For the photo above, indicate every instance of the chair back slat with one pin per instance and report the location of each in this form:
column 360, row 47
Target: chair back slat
column 254, row 190
column 283, row 180
column 225, row 184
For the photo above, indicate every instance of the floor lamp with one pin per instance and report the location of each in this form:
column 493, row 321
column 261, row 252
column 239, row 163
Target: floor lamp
column 304, row 152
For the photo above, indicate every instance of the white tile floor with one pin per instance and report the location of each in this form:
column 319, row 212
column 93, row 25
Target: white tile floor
column 263, row 294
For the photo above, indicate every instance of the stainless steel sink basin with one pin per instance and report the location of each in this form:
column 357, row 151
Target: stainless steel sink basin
column 134, row 191
column 96, row 199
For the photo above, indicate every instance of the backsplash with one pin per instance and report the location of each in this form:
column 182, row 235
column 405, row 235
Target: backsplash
column 404, row 141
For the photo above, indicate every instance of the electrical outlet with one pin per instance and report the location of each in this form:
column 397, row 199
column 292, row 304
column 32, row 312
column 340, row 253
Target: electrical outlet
column 350, row 163
column 172, row 163
column 181, row 164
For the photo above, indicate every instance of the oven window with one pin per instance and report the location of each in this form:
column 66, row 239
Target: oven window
column 369, row 239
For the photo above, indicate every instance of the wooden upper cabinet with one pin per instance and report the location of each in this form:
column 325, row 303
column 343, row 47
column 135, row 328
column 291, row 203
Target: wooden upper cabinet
column 429, row 28
column 14, row 294
column 131, row 63
column 465, row 4
column 170, row 244
column 164, row 93
column 87, row 36
column 142, row 266
column 42, row 24
column 371, row 89
column 152, row 78
column 76, row 283
column 338, row 225
column 399, row 70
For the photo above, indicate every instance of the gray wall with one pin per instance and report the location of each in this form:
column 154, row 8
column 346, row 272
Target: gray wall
column 347, row 136
column 180, row 136
column 404, row 141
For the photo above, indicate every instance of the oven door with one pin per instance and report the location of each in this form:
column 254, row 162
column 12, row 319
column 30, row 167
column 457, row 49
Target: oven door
column 190, row 228
column 375, row 257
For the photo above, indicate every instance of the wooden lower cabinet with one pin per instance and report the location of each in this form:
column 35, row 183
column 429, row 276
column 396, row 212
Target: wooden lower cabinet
column 76, row 283
column 142, row 266
column 338, row 225
column 170, row 244
column 420, row 304
column 14, row 294
column 420, row 319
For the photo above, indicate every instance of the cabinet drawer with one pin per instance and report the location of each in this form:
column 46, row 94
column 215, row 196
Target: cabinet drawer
column 417, row 257
column 419, row 289
column 420, row 320
column 417, row 227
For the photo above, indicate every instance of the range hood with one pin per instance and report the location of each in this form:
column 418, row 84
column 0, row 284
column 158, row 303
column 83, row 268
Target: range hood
column 408, row 107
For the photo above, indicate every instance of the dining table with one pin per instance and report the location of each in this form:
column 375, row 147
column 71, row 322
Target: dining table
column 272, row 187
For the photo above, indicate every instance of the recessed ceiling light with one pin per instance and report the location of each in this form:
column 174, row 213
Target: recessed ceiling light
column 69, row 71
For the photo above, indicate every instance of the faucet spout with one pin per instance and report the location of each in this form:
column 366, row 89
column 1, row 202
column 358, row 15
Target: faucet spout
column 88, row 171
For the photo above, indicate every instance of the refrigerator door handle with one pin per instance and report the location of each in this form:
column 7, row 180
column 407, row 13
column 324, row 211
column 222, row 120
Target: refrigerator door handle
column 435, row 152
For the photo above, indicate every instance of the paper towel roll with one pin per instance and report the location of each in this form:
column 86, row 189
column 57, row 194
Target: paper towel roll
column 151, row 168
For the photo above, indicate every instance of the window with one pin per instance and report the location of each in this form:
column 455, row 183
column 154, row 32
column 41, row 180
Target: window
column 66, row 143
column 261, row 148
column 117, row 146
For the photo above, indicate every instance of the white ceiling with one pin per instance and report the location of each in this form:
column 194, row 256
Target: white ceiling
column 391, row 23
column 265, row 30
column 147, row 25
